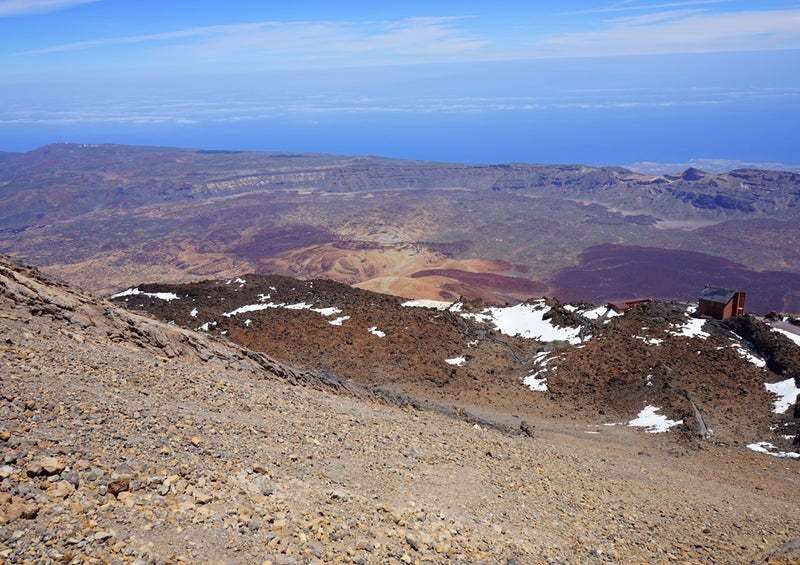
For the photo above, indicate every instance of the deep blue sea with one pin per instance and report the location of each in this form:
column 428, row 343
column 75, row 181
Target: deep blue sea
column 592, row 136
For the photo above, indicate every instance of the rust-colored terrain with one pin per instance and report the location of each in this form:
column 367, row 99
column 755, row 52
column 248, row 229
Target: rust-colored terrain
column 448, row 359
column 107, row 217
column 294, row 415
column 125, row 439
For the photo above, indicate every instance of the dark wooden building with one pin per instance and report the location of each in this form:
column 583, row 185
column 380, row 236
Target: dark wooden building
column 622, row 306
column 720, row 303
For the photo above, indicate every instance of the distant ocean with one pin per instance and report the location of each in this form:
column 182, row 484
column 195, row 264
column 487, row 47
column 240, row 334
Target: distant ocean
column 592, row 136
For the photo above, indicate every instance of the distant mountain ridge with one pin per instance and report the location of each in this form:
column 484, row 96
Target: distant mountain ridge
column 101, row 215
column 80, row 178
column 714, row 166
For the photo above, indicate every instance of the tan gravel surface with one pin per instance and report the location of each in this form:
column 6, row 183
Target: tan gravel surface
column 114, row 452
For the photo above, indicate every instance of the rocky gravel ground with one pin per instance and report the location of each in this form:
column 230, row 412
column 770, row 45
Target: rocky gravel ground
column 113, row 451
column 710, row 380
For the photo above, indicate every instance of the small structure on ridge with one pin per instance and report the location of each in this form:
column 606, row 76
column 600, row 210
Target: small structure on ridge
column 622, row 306
column 720, row 303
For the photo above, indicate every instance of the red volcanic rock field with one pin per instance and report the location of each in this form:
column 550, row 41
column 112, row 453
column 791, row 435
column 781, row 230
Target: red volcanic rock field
column 608, row 272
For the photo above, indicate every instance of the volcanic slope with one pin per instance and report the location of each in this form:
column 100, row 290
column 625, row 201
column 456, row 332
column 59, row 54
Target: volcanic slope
column 128, row 440
column 593, row 368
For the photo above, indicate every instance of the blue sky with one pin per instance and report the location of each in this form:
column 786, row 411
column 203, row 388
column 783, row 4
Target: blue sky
column 601, row 82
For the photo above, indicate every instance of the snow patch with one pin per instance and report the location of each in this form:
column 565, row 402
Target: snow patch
column 136, row 292
column 786, row 391
column 652, row 422
column 692, row 328
column 249, row 308
column 600, row 312
column 457, row 361
column 534, row 383
column 649, row 340
column 527, row 321
column 299, row 306
column 327, row 311
column 437, row 304
column 338, row 321
column 539, row 358
column 769, row 449
column 794, row 337
column 375, row 331
column 747, row 354
column 193, row 313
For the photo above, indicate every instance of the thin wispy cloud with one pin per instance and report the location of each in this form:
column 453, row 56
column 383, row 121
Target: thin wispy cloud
column 636, row 6
column 143, row 108
column 299, row 40
column 680, row 32
column 641, row 20
column 205, row 31
column 638, row 29
column 10, row 8
column 425, row 35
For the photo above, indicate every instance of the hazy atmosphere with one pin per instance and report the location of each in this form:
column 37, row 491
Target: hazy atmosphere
column 615, row 82
column 399, row 282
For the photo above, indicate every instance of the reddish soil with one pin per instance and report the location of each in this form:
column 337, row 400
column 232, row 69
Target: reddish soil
column 611, row 272
column 630, row 362
column 490, row 280
column 277, row 240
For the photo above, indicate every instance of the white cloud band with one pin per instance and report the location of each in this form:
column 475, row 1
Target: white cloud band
column 10, row 8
